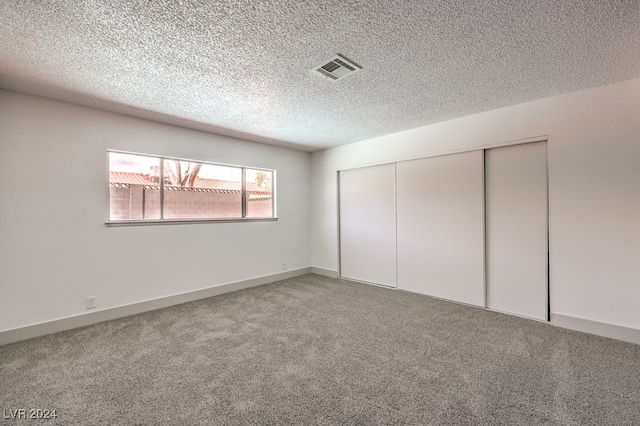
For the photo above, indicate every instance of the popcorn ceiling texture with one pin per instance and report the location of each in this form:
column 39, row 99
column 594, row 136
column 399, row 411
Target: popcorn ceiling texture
column 242, row 68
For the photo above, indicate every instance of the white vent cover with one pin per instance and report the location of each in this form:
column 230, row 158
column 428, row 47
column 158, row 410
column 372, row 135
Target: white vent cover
column 336, row 68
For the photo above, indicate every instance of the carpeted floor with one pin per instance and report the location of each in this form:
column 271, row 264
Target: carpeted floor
column 316, row 350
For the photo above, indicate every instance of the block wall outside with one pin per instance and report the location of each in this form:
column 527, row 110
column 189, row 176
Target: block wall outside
column 259, row 208
column 188, row 204
column 127, row 204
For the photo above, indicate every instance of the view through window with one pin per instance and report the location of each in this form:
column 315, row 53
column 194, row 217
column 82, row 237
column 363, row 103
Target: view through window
column 146, row 187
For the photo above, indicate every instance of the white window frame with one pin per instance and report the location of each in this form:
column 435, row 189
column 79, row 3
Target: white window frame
column 163, row 221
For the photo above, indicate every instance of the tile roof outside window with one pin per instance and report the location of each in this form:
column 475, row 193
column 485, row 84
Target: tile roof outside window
column 144, row 179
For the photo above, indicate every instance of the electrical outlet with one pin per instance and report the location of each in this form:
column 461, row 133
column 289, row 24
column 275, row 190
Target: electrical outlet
column 91, row 302
column 284, row 266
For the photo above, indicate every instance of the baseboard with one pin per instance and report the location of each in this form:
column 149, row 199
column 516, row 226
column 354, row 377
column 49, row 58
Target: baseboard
column 325, row 272
column 612, row 331
column 68, row 323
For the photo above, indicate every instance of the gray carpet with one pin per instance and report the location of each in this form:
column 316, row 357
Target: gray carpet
column 315, row 350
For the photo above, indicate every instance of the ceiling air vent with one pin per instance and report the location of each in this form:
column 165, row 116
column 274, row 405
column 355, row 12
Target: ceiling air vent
column 337, row 67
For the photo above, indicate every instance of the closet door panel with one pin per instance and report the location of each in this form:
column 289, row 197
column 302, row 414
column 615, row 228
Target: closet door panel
column 517, row 237
column 441, row 227
column 368, row 224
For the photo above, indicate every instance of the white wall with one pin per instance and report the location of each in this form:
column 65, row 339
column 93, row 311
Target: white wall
column 55, row 248
column 594, row 190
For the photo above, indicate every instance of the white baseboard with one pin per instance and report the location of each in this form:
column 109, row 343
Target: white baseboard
column 612, row 331
column 68, row 323
column 325, row 272
column 618, row 332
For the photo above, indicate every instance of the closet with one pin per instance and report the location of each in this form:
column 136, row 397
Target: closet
column 440, row 227
column 367, row 214
column 516, row 229
column 470, row 227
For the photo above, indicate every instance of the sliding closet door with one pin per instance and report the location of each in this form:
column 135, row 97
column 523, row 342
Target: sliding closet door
column 368, row 224
column 516, row 198
column 441, row 227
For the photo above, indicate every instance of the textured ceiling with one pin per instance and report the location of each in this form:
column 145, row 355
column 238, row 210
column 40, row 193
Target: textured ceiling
column 242, row 68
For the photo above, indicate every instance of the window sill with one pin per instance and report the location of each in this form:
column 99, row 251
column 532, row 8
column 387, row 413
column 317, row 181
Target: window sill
column 135, row 222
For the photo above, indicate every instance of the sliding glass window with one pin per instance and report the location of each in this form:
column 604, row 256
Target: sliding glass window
column 147, row 188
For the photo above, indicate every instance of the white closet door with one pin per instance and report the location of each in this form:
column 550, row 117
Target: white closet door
column 441, row 227
column 368, row 224
column 517, row 238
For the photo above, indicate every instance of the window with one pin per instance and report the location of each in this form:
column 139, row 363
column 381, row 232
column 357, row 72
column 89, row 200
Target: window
column 163, row 189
